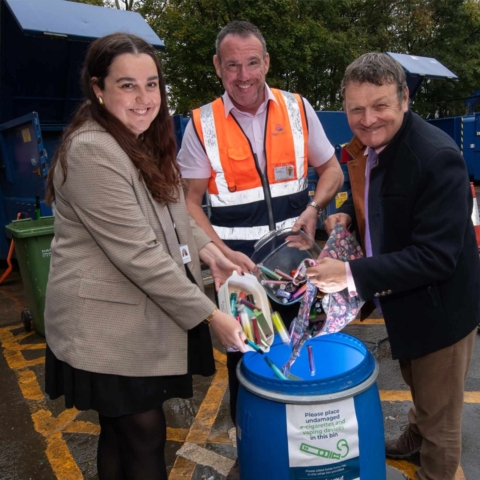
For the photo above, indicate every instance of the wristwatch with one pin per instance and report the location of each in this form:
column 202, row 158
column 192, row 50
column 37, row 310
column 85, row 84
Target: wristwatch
column 209, row 318
column 317, row 207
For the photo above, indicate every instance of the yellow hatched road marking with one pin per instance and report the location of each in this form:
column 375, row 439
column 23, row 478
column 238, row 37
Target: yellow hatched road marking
column 29, row 386
column 79, row 426
column 59, row 455
column 177, row 434
column 202, row 425
column 405, row 396
column 46, row 424
column 403, row 466
column 61, row 460
column 182, row 469
column 369, row 321
column 409, row 469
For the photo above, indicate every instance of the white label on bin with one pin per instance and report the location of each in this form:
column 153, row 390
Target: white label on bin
column 323, row 441
column 47, row 252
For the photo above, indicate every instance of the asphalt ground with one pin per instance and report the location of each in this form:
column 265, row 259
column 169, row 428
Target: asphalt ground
column 40, row 440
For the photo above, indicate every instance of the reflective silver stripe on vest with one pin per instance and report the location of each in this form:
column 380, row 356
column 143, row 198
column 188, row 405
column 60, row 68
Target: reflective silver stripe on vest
column 288, row 188
column 229, row 199
column 293, row 110
column 250, row 233
column 211, row 145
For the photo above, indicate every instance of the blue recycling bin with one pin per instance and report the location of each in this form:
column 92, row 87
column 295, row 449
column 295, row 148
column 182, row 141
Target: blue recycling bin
column 326, row 426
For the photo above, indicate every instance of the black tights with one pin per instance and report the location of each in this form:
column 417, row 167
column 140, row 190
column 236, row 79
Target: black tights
column 132, row 447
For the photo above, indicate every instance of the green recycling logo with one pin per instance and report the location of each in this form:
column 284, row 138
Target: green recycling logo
column 342, row 447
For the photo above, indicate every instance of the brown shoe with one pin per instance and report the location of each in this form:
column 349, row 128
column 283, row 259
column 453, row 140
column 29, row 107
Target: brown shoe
column 405, row 446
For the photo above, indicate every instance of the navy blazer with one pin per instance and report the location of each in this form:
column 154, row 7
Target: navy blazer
column 425, row 266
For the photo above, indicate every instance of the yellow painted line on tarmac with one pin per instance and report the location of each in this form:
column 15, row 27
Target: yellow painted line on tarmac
column 57, row 452
column 202, row 425
column 27, row 380
column 395, row 396
column 79, row 426
column 16, row 360
column 409, row 469
column 369, row 321
column 51, row 428
column 183, row 469
column 220, row 357
column 205, row 418
column 61, row 460
column 403, row 466
column 46, row 424
column 13, row 354
column 471, row 397
column 405, row 396
column 177, row 434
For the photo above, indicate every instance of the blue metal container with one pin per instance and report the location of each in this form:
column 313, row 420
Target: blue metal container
column 344, row 193
column 327, row 426
column 335, row 125
column 42, row 45
column 466, row 133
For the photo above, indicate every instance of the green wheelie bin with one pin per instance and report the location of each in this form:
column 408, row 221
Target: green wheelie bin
column 33, row 240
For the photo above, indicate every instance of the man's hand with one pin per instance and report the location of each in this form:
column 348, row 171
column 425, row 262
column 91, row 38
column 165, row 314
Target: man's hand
column 342, row 218
column 329, row 276
column 307, row 222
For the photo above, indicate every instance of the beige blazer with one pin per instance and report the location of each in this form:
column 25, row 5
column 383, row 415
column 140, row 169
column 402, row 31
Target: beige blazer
column 118, row 300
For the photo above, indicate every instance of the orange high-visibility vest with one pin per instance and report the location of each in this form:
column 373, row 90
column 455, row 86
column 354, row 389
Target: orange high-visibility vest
column 235, row 179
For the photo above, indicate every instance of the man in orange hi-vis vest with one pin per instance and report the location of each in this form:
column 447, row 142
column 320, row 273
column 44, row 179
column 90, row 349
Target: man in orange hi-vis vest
column 250, row 150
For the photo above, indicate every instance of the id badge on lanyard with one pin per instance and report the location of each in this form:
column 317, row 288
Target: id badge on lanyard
column 185, row 253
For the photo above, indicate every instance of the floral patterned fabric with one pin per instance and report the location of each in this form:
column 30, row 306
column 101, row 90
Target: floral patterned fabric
column 340, row 308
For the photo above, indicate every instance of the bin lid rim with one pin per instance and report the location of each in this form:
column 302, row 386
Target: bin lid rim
column 315, row 386
column 308, row 399
column 28, row 227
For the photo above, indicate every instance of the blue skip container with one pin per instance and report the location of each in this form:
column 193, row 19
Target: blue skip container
column 326, row 426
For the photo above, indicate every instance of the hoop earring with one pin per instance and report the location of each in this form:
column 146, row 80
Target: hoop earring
column 100, row 100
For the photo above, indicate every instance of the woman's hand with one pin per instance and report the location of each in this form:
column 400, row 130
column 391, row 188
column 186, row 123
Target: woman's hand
column 240, row 259
column 228, row 331
column 220, row 266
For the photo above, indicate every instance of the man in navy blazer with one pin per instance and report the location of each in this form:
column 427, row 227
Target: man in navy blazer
column 411, row 207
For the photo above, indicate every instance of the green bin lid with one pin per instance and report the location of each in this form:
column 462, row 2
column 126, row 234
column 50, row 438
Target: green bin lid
column 27, row 227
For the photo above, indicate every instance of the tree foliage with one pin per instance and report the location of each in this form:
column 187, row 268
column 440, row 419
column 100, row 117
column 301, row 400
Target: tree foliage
column 118, row 4
column 312, row 41
column 98, row 3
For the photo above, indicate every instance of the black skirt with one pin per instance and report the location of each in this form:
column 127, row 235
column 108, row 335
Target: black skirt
column 116, row 395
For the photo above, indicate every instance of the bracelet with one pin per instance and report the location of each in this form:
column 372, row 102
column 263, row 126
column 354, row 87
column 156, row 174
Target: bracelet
column 209, row 318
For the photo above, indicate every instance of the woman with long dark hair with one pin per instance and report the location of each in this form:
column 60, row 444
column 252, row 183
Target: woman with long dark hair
column 126, row 317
